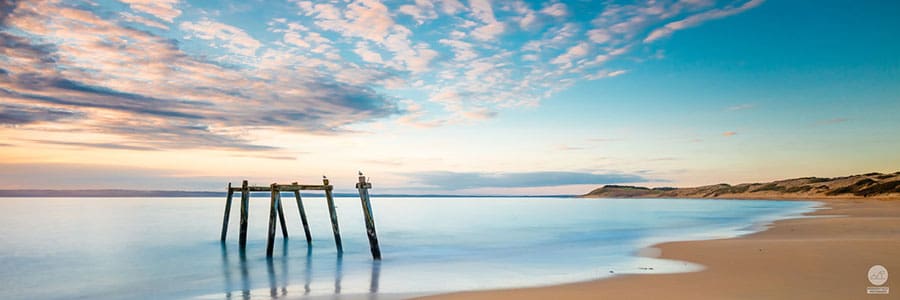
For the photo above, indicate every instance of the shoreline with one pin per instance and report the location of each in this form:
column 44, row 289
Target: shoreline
column 825, row 256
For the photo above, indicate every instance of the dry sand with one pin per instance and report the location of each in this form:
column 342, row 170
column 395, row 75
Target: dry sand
column 826, row 257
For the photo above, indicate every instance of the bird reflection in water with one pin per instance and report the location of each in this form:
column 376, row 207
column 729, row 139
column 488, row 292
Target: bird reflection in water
column 278, row 275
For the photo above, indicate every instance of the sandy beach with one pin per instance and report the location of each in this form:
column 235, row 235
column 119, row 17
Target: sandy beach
column 826, row 256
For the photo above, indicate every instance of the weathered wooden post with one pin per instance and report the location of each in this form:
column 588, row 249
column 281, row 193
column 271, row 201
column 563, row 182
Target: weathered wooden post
column 276, row 208
column 303, row 216
column 284, row 233
column 245, row 210
column 333, row 213
column 363, row 186
column 272, row 212
column 227, row 212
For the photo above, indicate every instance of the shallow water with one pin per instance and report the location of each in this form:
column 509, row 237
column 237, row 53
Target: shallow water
column 165, row 248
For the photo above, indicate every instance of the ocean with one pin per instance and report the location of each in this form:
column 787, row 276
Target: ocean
column 169, row 248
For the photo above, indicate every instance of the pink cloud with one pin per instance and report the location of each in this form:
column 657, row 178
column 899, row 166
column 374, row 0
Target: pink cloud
column 232, row 38
column 555, row 10
column 145, row 92
column 163, row 9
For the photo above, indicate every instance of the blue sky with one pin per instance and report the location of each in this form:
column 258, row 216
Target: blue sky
column 445, row 96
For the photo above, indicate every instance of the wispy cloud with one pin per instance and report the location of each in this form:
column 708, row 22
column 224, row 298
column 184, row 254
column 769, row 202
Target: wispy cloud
column 606, row 74
column 112, row 146
column 471, row 180
column 163, row 9
column 11, row 114
column 223, row 35
column 556, row 9
column 616, row 73
column 270, row 157
column 127, row 17
column 738, row 107
column 568, row 148
column 832, row 121
column 483, row 11
column 698, row 19
column 729, row 133
column 662, row 159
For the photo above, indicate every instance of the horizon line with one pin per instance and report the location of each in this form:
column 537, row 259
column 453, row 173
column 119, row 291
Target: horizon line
column 129, row 193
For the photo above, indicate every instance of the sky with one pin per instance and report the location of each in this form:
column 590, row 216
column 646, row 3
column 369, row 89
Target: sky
column 445, row 96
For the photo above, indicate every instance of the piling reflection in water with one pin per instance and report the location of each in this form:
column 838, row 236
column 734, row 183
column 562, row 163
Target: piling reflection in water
column 376, row 272
column 245, row 275
column 338, row 273
column 278, row 275
column 308, row 271
column 275, row 283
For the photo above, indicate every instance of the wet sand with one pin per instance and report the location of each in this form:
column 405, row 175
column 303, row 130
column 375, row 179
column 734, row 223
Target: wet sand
column 823, row 257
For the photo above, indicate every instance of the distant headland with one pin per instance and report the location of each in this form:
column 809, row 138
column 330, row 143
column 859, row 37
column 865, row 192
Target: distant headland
column 870, row 185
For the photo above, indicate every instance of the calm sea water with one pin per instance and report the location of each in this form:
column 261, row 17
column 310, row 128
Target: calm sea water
column 168, row 248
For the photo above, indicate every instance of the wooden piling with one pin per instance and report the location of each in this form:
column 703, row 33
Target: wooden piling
column 272, row 212
column 303, row 216
column 245, row 210
column 333, row 213
column 363, row 188
column 276, row 208
column 227, row 212
column 284, row 233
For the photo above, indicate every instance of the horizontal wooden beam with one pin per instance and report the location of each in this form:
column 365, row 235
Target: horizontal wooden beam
column 287, row 188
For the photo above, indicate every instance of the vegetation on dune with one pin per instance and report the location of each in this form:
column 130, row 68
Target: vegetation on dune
column 817, row 179
column 612, row 186
column 798, row 189
column 739, row 189
column 769, row 187
column 664, row 189
column 881, row 188
column 864, row 182
column 841, row 190
column 856, row 188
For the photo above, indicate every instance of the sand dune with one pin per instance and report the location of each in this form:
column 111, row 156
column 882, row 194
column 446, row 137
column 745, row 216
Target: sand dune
column 871, row 185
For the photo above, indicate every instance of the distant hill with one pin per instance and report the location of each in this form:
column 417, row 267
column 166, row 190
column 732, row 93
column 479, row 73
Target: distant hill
column 871, row 185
